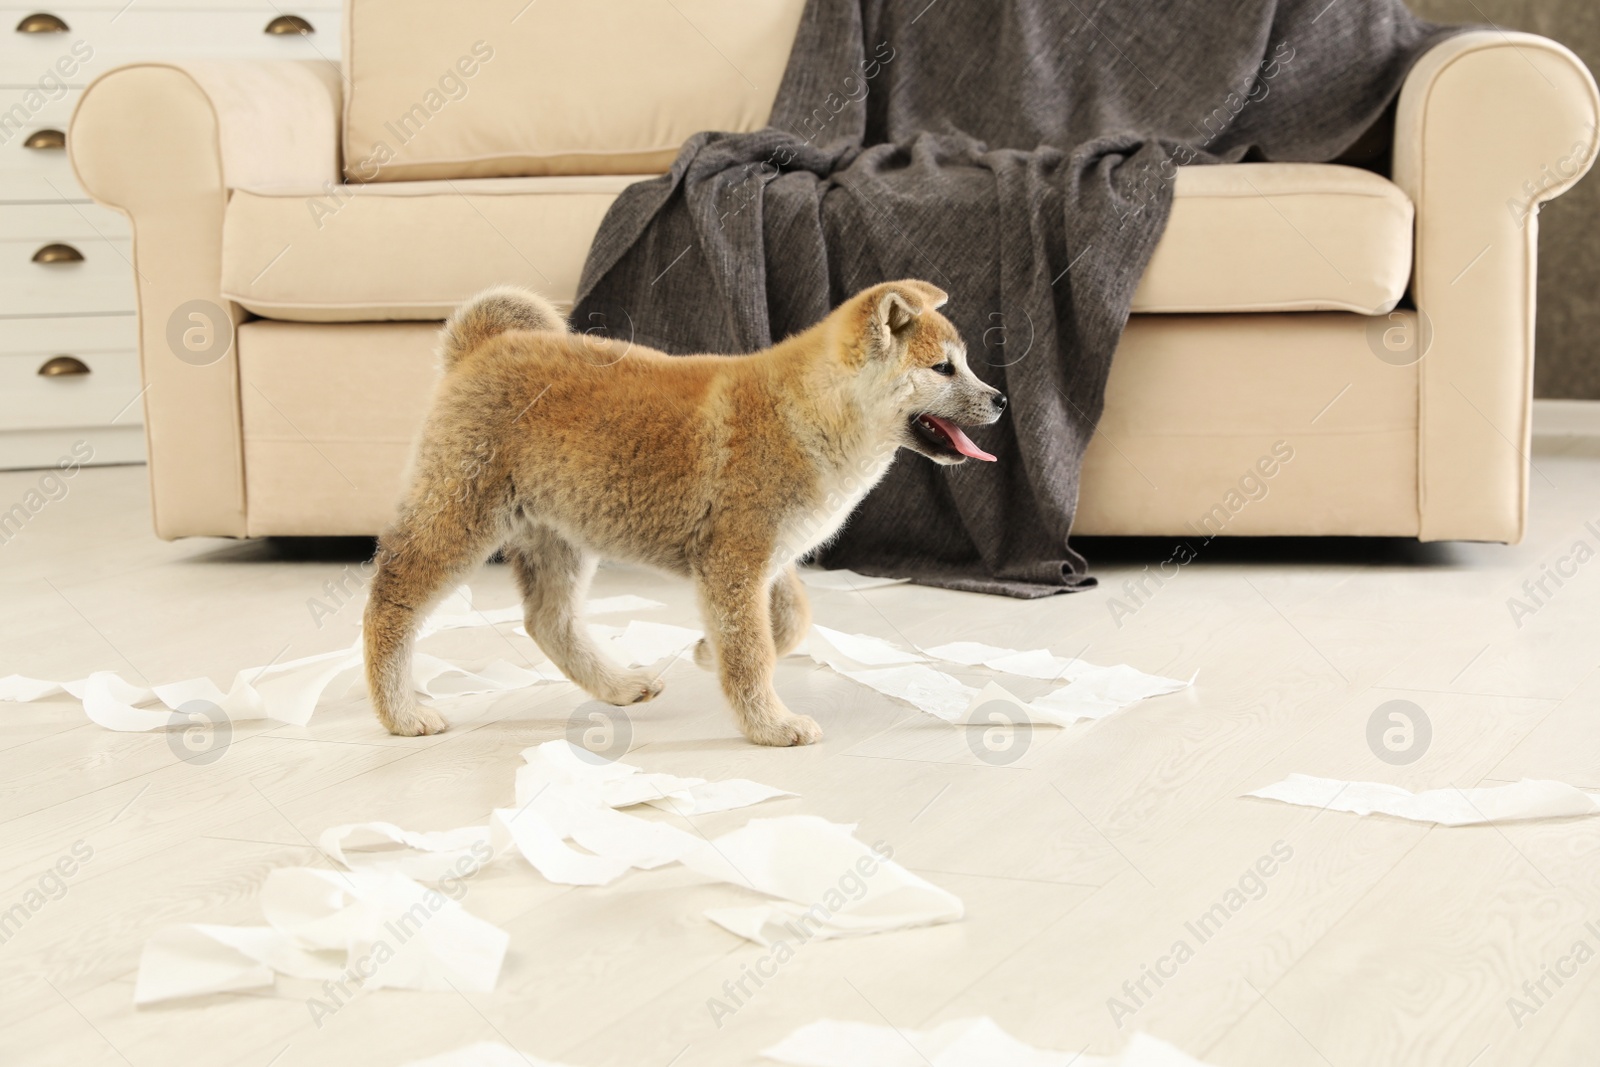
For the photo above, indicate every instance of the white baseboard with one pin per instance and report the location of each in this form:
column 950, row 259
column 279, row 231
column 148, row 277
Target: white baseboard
column 1566, row 418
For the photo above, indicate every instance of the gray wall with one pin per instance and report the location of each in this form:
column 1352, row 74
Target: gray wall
column 1567, row 364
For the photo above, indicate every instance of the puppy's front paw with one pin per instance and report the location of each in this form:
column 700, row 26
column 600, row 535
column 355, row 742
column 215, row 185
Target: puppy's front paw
column 786, row 732
column 635, row 688
column 417, row 721
column 704, row 658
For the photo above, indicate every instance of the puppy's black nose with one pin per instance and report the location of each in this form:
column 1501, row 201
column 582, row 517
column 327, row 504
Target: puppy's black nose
column 999, row 401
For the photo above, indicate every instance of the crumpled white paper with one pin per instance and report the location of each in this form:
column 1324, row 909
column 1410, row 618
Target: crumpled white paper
column 976, row 1042
column 935, row 692
column 437, row 677
column 563, row 794
column 848, row 581
column 380, row 929
column 829, row 884
column 1119, row 684
column 1527, row 799
column 1091, row 692
column 641, row 644
column 288, row 692
column 427, row 857
column 864, row 649
column 483, row 1054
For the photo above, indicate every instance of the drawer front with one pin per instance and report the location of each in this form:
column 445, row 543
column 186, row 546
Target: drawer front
column 101, row 282
column 73, row 335
column 103, row 37
column 46, row 223
column 103, row 396
column 29, row 115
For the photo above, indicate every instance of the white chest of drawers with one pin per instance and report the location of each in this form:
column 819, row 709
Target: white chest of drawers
column 69, row 376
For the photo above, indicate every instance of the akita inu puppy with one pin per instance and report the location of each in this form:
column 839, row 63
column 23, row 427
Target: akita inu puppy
column 560, row 448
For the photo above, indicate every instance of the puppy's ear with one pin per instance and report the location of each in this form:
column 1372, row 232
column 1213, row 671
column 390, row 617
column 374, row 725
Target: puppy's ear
column 896, row 312
column 932, row 295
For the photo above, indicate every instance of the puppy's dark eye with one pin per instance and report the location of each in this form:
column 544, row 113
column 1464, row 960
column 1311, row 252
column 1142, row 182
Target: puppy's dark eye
column 946, row 368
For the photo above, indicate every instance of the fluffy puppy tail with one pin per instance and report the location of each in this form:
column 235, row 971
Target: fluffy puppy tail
column 491, row 313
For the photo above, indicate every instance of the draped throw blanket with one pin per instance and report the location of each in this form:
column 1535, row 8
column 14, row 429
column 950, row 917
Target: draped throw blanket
column 1020, row 154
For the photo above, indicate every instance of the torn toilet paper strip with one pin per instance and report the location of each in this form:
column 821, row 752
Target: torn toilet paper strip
column 379, row 929
column 426, row 857
column 564, row 793
column 1091, row 692
column 864, row 649
column 1527, row 799
column 829, row 884
column 1120, row 683
column 976, row 1042
column 641, row 644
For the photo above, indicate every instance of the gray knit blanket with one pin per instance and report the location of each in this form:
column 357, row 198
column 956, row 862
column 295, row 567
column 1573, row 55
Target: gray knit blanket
column 1017, row 153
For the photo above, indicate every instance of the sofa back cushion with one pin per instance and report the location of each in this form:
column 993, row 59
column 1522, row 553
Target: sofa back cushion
column 536, row 87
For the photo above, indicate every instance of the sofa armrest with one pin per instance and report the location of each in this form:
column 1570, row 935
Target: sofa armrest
column 1490, row 125
column 163, row 144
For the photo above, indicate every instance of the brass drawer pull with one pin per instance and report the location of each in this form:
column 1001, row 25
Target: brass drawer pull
column 63, row 367
column 41, row 22
column 289, row 26
column 58, row 253
column 45, row 139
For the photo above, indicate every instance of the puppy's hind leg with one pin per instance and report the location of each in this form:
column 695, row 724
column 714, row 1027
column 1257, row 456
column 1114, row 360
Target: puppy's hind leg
column 791, row 619
column 736, row 604
column 553, row 574
column 417, row 563
column 791, row 612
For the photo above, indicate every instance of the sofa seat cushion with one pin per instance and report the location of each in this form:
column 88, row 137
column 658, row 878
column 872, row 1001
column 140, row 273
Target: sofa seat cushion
column 1280, row 237
column 1246, row 237
column 408, row 250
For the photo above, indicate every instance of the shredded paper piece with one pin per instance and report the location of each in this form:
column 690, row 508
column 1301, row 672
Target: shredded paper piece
column 963, row 1043
column 381, row 929
column 565, row 797
column 1527, row 799
column 427, row 857
column 289, row 692
column 829, row 884
column 1091, row 692
column 642, row 644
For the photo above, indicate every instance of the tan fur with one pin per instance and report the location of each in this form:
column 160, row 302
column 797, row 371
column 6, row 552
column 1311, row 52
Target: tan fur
column 562, row 448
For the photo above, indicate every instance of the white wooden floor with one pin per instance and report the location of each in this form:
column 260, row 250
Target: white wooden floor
column 1377, row 942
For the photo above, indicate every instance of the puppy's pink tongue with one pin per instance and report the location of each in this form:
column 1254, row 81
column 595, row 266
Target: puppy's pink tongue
column 960, row 440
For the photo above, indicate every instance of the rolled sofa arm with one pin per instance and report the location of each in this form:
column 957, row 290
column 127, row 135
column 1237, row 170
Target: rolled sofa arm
column 1490, row 125
column 163, row 144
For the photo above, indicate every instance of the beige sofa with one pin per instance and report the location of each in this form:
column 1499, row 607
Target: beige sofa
column 299, row 229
